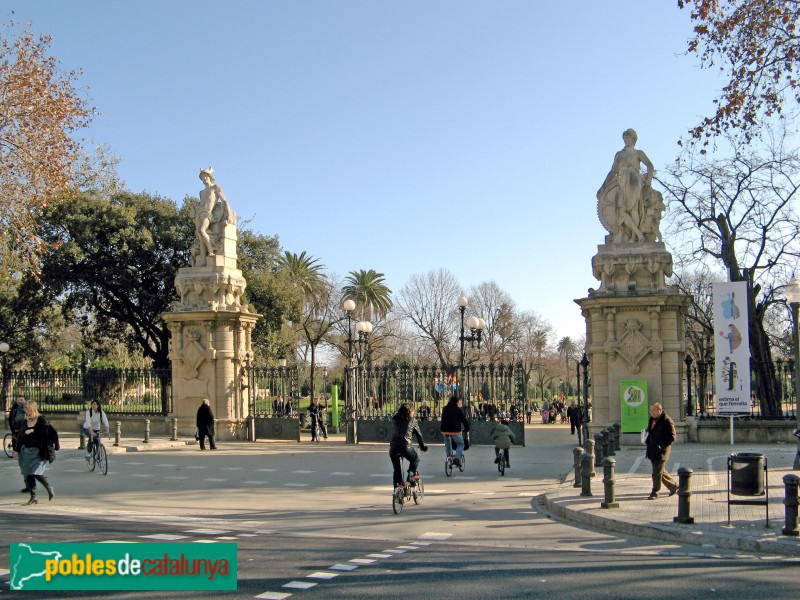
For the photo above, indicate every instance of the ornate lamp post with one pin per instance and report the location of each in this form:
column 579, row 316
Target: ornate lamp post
column 325, row 385
column 793, row 296
column 352, row 435
column 476, row 326
column 585, row 365
column 363, row 329
column 4, row 348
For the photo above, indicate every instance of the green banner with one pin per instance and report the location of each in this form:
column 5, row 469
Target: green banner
column 634, row 407
column 123, row 566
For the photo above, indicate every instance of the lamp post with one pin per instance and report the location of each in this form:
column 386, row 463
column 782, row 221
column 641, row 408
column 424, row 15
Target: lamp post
column 585, row 365
column 793, row 296
column 364, row 329
column 325, row 385
column 352, row 435
column 476, row 326
column 4, row 348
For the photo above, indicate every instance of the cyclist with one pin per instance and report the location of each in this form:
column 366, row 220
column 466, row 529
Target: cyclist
column 453, row 421
column 404, row 426
column 94, row 421
column 503, row 437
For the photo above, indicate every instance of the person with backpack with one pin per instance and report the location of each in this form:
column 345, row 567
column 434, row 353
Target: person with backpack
column 32, row 448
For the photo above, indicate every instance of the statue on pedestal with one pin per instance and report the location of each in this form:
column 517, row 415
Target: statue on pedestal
column 627, row 206
column 213, row 213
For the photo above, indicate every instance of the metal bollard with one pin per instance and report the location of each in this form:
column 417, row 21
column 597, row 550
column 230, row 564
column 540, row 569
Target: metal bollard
column 605, row 442
column 617, row 430
column 608, row 484
column 598, row 449
column 612, row 441
column 117, row 432
column 586, row 474
column 588, row 447
column 147, row 431
column 790, row 501
column 174, row 435
column 576, row 456
column 684, row 495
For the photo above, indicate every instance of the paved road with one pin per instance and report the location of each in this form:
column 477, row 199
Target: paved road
column 296, row 510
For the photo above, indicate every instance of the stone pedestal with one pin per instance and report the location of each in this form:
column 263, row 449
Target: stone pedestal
column 211, row 347
column 635, row 329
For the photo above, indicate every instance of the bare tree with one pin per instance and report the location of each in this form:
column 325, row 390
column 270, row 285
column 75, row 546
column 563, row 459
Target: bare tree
column 497, row 309
column 735, row 212
column 429, row 302
column 531, row 336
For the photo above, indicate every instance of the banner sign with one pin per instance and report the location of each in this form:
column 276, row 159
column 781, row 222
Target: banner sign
column 634, row 407
column 731, row 347
column 123, row 566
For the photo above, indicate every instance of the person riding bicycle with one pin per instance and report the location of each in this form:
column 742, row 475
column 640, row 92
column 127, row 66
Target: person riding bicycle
column 94, row 421
column 453, row 421
column 503, row 437
column 404, row 426
column 317, row 413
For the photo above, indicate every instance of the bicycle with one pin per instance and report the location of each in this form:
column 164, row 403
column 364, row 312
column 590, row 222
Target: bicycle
column 449, row 461
column 501, row 464
column 8, row 444
column 98, row 457
column 405, row 492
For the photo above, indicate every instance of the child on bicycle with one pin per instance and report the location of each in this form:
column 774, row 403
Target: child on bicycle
column 404, row 426
column 317, row 414
column 94, row 421
column 503, row 437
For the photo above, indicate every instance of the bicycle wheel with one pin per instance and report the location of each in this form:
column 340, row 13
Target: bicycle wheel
column 8, row 446
column 501, row 466
column 398, row 497
column 448, row 466
column 463, row 464
column 102, row 460
column 92, row 460
column 419, row 492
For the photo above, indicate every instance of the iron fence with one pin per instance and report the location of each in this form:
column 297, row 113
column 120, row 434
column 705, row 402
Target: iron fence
column 275, row 392
column 701, row 400
column 119, row 391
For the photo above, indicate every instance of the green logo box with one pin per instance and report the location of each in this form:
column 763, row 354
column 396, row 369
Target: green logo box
column 123, row 566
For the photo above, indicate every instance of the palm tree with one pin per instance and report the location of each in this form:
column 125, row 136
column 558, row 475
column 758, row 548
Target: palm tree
column 566, row 348
column 304, row 271
column 369, row 291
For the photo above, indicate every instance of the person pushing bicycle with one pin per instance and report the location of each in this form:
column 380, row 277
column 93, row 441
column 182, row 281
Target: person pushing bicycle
column 404, row 427
column 317, row 413
column 94, row 421
column 16, row 416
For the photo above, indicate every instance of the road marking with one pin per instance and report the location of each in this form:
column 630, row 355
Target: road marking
column 295, row 484
column 167, row 537
column 255, row 482
column 394, row 551
column 480, row 492
column 207, row 531
column 322, row 575
column 196, row 467
column 299, row 585
column 343, row 567
column 214, row 479
column 408, row 548
column 166, row 466
column 176, row 477
column 273, row 595
column 267, row 470
column 341, row 473
column 435, row 536
column 141, row 475
column 231, row 468
column 379, row 555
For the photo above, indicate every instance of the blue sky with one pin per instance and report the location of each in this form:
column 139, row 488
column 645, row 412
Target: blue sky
column 395, row 136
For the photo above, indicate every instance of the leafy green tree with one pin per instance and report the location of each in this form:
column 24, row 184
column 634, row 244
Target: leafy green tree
column 566, row 348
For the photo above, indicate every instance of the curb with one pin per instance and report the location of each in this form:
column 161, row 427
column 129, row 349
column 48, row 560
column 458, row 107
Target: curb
column 684, row 534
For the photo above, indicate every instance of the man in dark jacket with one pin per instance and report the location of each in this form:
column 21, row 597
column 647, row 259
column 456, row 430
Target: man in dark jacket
column 205, row 426
column 660, row 435
column 453, row 421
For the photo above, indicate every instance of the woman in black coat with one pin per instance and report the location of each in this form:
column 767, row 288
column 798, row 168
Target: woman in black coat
column 660, row 436
column 205, row 426
column 31, row 447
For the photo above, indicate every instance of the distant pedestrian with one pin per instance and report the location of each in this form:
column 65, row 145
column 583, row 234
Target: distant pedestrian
column 660, row 436
column 528, row 412
column 205, row 426
column 575, row 417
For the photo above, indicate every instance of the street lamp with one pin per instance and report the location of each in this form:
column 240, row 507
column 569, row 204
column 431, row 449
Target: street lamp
column 349, row 306
column 325, row 385
column 793, row 296
column 476, row 326
column 363, row 328
column 585, row 364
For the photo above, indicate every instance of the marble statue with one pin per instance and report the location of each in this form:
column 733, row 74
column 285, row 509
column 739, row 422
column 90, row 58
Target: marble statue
column 212, row 213
column 626, row 205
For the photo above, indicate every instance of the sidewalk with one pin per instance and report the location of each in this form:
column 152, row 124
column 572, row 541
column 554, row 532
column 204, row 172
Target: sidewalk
column 71, row 441
column 639, row 516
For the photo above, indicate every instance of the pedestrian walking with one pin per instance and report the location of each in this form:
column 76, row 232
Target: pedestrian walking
column 660, row 436
column 31, row 446
column 205, row 426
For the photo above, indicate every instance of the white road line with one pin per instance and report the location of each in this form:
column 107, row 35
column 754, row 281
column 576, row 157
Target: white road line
column 343, row 568
column 273, row 596
column 636, row 464
column 255, row 482
column 141, row 475
column 167, row 537
column 214, row 479
column 166, row 466
column 322, row 575
column 408, row 547
column 295, row 485
column 176, row 477
column 394, row 551
column 435, row 536
column 362, row 561
column 341, row 473
column 299, row 585
column 301, row 471
column 379, row 555
column 231, row 468
column 267, row 470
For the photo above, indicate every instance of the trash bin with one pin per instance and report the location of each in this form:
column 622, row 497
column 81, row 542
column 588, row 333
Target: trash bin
column 747, row 473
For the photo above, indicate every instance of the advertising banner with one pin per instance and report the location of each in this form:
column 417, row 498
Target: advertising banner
column 731, row 347
column 634, row 407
